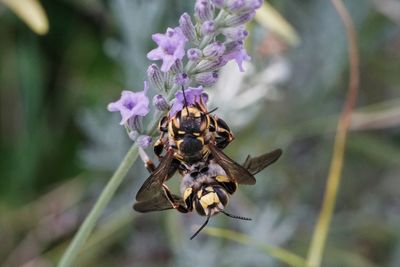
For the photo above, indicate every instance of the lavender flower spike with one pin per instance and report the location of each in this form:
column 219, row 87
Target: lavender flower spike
column 132, row 107
column 171, row 46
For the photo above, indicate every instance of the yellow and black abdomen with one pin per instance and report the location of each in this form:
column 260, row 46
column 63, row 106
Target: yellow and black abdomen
column 209, row 199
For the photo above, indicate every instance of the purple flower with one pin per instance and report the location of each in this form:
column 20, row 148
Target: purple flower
column 211, row 65
column 208, row 27
column 239, row 54
column 218, row 3
column 241, row 6
column 132, row 106
column 193, row 95
column 215, row 49
column 187, row 27
column 236, row 33
column 160, row 103
column 236, row 20
column 206, row 78
column 255, row 4
column 171, row 46
column 193, row 54
column 236, row 5
column 203, row 10
column 144, row 141
column 182, row 79
column 155, row 77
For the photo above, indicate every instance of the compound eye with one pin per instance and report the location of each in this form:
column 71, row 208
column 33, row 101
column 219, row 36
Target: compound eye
column 203, row 123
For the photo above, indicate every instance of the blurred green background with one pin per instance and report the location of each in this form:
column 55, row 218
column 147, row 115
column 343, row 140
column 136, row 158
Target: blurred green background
column 59, row 145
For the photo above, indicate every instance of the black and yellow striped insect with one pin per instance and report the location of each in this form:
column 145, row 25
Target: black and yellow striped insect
column 206, row 185
column 189, row 131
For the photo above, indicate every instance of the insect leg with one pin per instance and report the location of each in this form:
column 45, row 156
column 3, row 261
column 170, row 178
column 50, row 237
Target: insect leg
column 224, row 133
column 173, row 202
column 159, row 145
column 148, row 163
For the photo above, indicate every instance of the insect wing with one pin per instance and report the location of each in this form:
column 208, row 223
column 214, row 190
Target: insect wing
column 153, row 185
column 234, row 171
column 257, row 164
column 157, row 203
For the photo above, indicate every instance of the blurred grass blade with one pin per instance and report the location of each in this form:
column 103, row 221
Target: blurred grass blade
column 31, row 12
column 281, row 254
column 89, row 223
column 322, row 228
column 269, row 18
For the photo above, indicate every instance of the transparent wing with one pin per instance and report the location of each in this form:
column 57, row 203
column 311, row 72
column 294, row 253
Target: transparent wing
column 234, row 170
column 157, row 203
column 256, row 164
column 152, row 187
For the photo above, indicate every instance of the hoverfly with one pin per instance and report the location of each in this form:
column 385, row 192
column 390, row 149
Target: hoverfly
column 206, row 185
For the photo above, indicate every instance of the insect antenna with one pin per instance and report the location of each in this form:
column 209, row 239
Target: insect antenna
column 201, row 228
column 211, row 111
column 184, row 99
column 235, row 216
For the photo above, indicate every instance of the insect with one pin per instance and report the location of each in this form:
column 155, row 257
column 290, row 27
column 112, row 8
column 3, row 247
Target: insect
column 206, row 185
column 189, row 131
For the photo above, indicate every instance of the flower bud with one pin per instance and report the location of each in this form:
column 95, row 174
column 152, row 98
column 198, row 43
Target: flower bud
column 235, row 20
column 210, row 65
column 255, row 4
column 187, row 27
column 203, row 10
column 243, row 6
column 169, row 79
column 208, row 27
column 236, row 33
column 215, row 49
column 160, row 103
column 177, row 66
column 218, row 3
column 182, row 79
column 229, row 46
column 144, row 141
column 155, row 77
column 206, row 78
column 194, row 54
column 235, row 6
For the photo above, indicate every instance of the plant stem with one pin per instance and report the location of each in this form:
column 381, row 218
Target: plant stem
column 321, row 230
column 281, row 254
column 89, row 223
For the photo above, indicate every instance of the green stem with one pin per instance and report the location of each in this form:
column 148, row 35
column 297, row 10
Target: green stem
column 281, row 254
column 87, row 226
column 321, row 230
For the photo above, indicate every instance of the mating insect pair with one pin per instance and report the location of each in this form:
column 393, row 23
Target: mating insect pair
column 193, row 140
